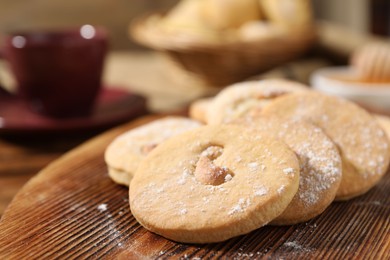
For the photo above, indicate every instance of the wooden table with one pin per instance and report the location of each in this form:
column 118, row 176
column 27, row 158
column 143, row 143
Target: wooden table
column 72, row 210
column 22, row 158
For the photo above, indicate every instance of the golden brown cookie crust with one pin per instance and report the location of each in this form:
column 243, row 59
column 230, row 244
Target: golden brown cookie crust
column 241, row 99
column 127, row 150
column 320, row 166
column 198, row 109
column 167, row 196
column 119, row 176
column 362, row 143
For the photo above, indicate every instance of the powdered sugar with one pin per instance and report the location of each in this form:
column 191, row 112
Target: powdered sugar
column 260, row 191
column 288, row 170
column 281, row 189
column 253, row 166
column 102, row 207
column 240, row 206
column 183, row 211
column 184, row 176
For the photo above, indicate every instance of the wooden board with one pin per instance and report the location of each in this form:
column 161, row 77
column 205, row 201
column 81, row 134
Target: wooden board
column 72, row 210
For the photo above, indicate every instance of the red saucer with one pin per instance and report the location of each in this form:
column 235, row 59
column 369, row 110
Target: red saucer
column 114, row 106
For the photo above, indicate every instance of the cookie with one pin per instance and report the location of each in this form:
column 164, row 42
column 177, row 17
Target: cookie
column 241, row 99
column 362, row 143
column 213, row 183
column 125, row 153
column 186, row 19
column 229, row 14
column 256, row 30
column 372, row 62
column 288, row 14
column 198, row 109
column 320, row 166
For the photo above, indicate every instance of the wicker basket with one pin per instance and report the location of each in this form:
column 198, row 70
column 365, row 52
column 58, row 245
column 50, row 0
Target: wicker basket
column 219, row 64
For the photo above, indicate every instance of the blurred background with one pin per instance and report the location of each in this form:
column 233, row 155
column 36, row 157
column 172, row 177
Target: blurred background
column 357, row 15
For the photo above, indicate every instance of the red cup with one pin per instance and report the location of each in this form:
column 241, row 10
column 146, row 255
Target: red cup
column 58, row 73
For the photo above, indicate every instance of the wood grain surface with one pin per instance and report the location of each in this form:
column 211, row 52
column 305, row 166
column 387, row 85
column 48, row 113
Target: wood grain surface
column 72, row 210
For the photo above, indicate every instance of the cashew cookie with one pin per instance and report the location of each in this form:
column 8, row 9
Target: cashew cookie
column 213, row 183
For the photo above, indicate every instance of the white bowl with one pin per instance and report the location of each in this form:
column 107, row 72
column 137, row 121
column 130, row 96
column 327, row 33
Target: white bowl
column 341, row 81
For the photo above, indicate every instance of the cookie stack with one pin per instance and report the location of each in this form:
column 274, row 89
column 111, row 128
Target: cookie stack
column 270, row 152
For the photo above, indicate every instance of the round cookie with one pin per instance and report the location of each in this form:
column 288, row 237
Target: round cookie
column 241, row 99
column 362, row 143
column 125, row 153
column 372, row 62
column 320, row 166
column 198, row 109
column 213, row 183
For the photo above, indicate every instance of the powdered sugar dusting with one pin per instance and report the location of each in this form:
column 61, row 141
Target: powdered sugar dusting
column 281, row 189
column 183, row 211
column 288, row 170
column 320, row 168
column 253, row 166
column 297, row 247
column 261, row 191
column 102, row 207
column 319, row 159
column 240, row 206
column 183, row 178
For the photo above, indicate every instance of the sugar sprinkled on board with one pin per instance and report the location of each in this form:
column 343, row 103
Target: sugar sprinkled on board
column 296, row 246
column 102, row 207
